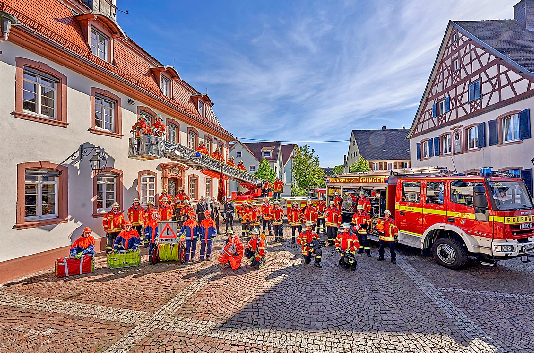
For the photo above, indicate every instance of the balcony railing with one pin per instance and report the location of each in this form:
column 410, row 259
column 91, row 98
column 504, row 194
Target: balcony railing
column 149, row 147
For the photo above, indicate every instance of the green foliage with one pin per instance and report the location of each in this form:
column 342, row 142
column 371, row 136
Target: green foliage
column 361, row 166
column 307, row 174
column 338, row 169
column 265, row 172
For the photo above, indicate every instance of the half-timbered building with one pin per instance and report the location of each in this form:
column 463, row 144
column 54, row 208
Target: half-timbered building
column 475, row 110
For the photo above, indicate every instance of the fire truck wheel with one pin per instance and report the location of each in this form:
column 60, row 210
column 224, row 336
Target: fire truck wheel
column 449, row 253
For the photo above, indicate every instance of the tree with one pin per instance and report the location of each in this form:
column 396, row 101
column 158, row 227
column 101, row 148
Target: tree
column 338, row 169
column 265, row 172
column 361, row 166
column 307, row 174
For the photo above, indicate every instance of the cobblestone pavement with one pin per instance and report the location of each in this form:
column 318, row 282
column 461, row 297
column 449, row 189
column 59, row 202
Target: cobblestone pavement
column 414, row 306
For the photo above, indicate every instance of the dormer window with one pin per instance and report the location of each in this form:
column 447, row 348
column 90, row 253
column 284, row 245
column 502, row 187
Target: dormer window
column 266, row 154
column 201, row 108
column 165, row 86
column 99, row 44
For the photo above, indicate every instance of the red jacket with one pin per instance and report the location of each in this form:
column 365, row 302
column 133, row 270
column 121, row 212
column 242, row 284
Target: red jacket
column 347, row 241
column 253, row 214
column 364, row 201
column 113, row 222
column 278, row 215
column 358, row 219
column 333, row 217
column 304, row 239
column 278, row 186
column 321, row 208
column 258, row 244
column 310, row 214
column 294, row 216
column 165, row 213
column 136, row 215
column 266, row 211
column 387, row 229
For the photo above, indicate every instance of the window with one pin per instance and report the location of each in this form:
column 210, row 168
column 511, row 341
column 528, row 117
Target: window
column 252, row 168
column 411, row 191
column 208, row 187
column 105, row 192
column 266, row 154
column 201, row 108
column 474, row 91
column 192, row 138
column 39, row 92
column 147, row 190
column 193, row 187
column 208, row 144
column 472, row 137
column 390, row 166
column 238, row 154
column 375, row 166
column 147, row 117
column 40, row 195
column 434, row 192
column 462, row 192
column 456, row 65
column 510, row 128
column 446, row 144
column 99, row 44
column 441, row 107
column 172, row 133
column 105, row 113
column 455, row 37
column 424, row 149
column 165, row 86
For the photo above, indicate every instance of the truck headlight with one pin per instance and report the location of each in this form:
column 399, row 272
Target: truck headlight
column 507, row 248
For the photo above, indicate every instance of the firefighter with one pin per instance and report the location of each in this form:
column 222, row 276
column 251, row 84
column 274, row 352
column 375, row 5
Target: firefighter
column 364, row 201
column 241, row 166
column 179, row 203
column 151, row 229
column 360, row 218
column 231, row 162
column 361, row 234
column 244, row 210
column 207, row 231
column 147, row 222
column 229, row 210
column 186, row 210
column 232, row 252
column 254, row 217
column 202, row 206
column 163, row 195
column 266, row 216
column 277, row 189
column 265, row 189
column 337, row 200
column 333, row 220
column 309, row 213
column 113, row 224
column 216, row 212
column 255, row 250
column 387, row 236
column 190, row 231
column 128, row 239
column 136, row 215
column 165, row 210
column 346, row 245
column 309, row 241
column 294, row 218
column 278, row 214
column 84, row 245
column 138, row 129
column 158, row 128
column 321, row 208
column 202, row 149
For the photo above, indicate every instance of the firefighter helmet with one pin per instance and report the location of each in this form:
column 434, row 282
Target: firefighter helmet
column 359, row 207
column 387, row 212
column 87, row 229
column 115, row 204
column 309, row 224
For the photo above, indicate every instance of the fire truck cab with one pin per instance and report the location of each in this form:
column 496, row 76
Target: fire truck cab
column 458, row 216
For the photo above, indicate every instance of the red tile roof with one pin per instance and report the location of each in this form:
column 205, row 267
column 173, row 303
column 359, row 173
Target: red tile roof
column 54, row 20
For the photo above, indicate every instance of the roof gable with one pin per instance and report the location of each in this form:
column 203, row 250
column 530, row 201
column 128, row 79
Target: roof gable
column 385, row 144
column 287, row 150
column 257, row 147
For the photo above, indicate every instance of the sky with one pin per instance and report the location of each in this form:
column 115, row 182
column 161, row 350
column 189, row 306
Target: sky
column 303, row 71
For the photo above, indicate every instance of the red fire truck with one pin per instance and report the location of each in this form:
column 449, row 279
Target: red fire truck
column 459, row 216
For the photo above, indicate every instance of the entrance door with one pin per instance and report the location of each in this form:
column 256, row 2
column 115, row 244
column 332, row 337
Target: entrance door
column 174, row 184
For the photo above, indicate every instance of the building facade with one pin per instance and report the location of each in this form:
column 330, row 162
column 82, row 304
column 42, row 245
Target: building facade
column 71, row 92
column 475, row 110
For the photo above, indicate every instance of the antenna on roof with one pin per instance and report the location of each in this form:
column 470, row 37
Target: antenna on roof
column 124, row 12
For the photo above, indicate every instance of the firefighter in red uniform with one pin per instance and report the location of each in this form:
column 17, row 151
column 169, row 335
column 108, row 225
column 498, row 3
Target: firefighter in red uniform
column 333, row 220
column 365, row 202
column 241, row 166
column 84, row 245
column 207, row 232
column 278, row 221
column 278, row 186
column 158, row 129
column 337, row 200
column 165, row 210
column 202, row 149
column 387, row 235
column 128, row 239
column 255, row 250
column 136, row 216
column 254, row 217
column 179, row 203
column 147, row 222
column 294, row 218
column 231, row 162
column 138, row 129
column 321, row 208
column 266, row 187
column 346, row 245
column 186, row 210
column 310, row 243
column 309, row 213
column 163, row 194
column 266, row 215
column 360, row 218
column 243, row 212
column 113, row 224
column 232, row 252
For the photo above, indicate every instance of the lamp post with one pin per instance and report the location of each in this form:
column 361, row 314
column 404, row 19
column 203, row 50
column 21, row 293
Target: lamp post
column 97, row 160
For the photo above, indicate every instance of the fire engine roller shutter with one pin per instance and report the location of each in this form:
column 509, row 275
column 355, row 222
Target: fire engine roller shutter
column 481, row 135
column 418, row 150
column 524, row 124
column 436, row 146
column 526, row 175
column 431, row 147
column 493, row 134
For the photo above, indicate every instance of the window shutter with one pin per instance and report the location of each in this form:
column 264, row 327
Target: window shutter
column 493, row 137
column 471, row 92
column 418, row 149
column 477, row 90
column 524, row 124
column 431, row 147
column 434, row 110
column 447, row 104
column 526, row 175
column 482, row 135
column 436, row 146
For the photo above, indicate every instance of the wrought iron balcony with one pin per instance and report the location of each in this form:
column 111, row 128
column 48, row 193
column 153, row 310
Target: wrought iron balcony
column 149, row 147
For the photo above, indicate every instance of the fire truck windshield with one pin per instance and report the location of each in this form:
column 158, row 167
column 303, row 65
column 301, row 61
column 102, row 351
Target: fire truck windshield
column 510, row 195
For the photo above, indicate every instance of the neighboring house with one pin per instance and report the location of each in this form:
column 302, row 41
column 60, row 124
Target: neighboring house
column 73, row 84
column 280, row 158
column 475, row 110
column 384, row 149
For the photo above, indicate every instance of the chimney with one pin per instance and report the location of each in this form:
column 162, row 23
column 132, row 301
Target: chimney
column 104, row 7
column 384, row 127
column 524, row 14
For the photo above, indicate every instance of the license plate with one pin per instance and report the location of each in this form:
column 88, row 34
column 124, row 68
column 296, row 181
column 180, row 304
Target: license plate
column 525, row 226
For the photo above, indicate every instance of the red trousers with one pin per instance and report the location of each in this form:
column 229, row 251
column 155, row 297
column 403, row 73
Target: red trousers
column 234, row 261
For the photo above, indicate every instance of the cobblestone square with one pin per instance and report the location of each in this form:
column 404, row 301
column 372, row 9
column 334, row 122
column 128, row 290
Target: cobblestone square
column 413, row 306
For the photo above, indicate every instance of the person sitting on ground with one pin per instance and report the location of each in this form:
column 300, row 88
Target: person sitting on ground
column 84, row 245
column 232, row 252
column 255, row 250
column 127, row 240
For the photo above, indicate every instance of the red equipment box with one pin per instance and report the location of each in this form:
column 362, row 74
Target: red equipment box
column 66, row 266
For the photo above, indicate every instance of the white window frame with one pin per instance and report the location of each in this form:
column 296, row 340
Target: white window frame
column 39, row 79
column 513, row 126
column 100, row 107
column 472, row 138
column 425, row 153
column 252, row 168
column 39, row 183
column 390, row 166
column 99, row 44
column 440, row 108
column 147, row 189
column 456, row 65
column 446, row 144
column 172, row 133
column 209, row 184
column 238, row 154
column 266, row 154
column 192, row 139
column 101, row 182
column 165, row 86
column 193, row 184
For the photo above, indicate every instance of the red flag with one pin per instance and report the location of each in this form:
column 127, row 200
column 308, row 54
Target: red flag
column 222, row 193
